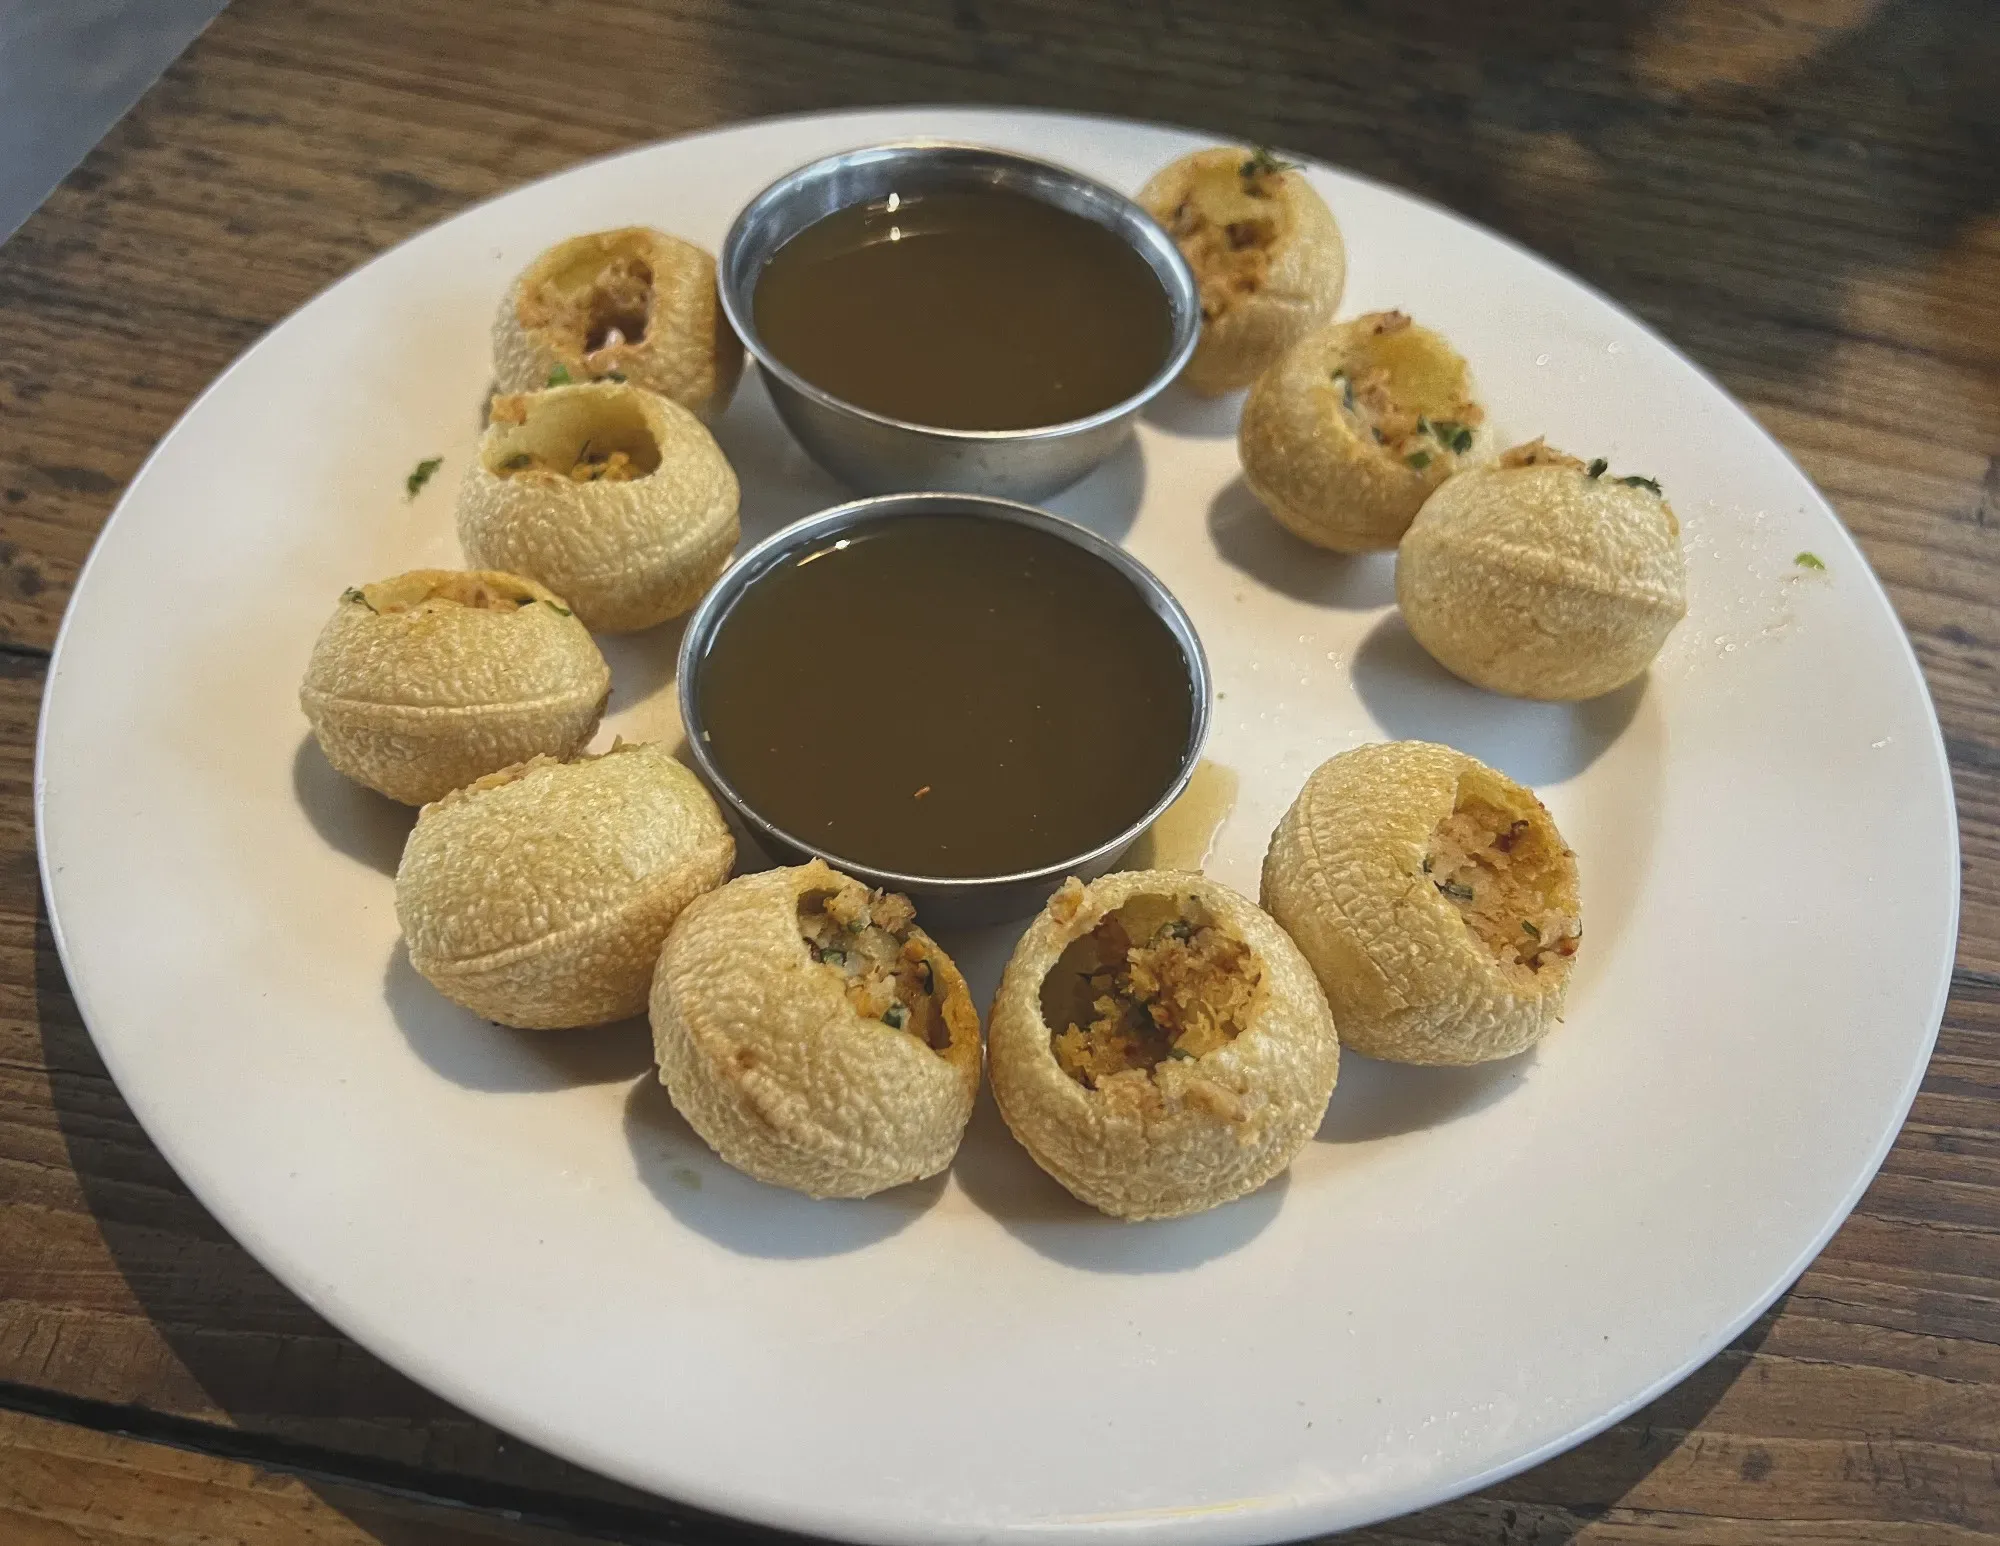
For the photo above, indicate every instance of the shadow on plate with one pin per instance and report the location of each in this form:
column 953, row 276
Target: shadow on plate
column 999, row 1178
column 1374, row 1099
column 479, row 1055
column 1106, row 499
column 779, row 482
column 744, row 1215
column 1248, row 539
column 644, row 670
column 1412, row 697
column 358, row 822
column 1179, row 411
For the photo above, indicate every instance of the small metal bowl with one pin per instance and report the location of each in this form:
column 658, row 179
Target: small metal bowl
column 876, row 454
column 943, row 901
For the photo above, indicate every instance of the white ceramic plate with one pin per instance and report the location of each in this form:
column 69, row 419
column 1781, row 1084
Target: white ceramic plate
column 1467, row 1272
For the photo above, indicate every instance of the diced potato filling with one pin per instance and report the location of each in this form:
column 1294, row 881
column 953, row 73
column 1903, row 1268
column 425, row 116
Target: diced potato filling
column 1501, row 872
column 591, row 465
column 1225, row 227
column 407, row 592
column 1157, row 979
column 580, row 436
column 868, row 938
column 1406, row 391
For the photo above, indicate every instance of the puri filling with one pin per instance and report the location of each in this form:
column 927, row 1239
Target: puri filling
column 1507, row 876
column 1159, row 978
column 1538, row 453
column 594, row 307
column 599, row 436
column 407, row 592
column 869, row 939
column 1226, row 225
column 1406, row 391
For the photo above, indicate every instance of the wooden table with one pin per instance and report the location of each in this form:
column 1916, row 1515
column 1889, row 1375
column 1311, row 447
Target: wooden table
column 1805, row 197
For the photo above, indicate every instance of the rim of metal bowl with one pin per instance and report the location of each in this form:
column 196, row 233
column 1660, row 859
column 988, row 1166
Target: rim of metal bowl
column 768, row 554
column 1177, row 283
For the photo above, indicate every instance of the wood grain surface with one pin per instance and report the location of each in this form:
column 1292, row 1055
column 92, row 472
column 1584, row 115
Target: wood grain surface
column 1804, row 195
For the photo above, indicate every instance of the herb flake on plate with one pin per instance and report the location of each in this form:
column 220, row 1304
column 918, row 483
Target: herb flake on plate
column 413, row 485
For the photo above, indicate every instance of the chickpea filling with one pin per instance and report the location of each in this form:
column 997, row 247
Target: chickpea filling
column 1406, row 392
column 595, row 308
column 408, row 592
column 868, row 938
column 1505, row 875
column 1159, row 978
column 583, row 438
column 1225, row 226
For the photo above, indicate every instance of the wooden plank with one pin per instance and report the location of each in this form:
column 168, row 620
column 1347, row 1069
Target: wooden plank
column 62, row 1485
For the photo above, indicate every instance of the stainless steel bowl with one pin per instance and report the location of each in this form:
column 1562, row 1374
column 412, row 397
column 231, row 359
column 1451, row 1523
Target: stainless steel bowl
column 944, row 901
column 876, row 454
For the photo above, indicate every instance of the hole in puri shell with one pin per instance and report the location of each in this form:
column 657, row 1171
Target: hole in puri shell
column 594, row 305
column 1158, row 978
column 887, row 973
column 1225, row 226
column 1504, row 868
column 407, row 592
column 599, row 436
column 1407, row 390
column 620, row 299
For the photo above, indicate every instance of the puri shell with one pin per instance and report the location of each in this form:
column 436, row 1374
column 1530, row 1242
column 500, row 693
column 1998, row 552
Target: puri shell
column 1191, row 1131
column 633, row 302
column 613, row 497
column 421, row 683
column 772, row 1020
column 1434, row 898
column 1267, row 258
column 1347, row 435
column 539, row 896
column 1534, row 578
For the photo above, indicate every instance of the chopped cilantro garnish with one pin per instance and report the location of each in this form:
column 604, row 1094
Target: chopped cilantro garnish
column 1264, row 164
column 1596, row 468
column 1449, row 433
column 414, row 483
column 1638, row 482
column 896, row 1016
column 1810, row 561
column 1456, row 890
column 559, row 376
column 1419, row 459
column 1529, row 929
column 353, row 593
